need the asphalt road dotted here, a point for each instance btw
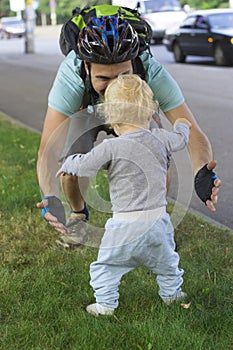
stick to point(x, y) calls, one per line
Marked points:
point(25, 80)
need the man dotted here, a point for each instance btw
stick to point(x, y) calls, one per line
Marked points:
point(107, 47)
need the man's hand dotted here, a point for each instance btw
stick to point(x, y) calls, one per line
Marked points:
point(207, 185)
point(53, 212)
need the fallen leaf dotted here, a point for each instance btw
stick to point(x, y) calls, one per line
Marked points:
point(186, 306)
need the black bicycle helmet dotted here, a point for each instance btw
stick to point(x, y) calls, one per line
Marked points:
point(107, 40)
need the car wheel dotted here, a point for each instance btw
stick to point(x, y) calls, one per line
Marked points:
point(219, 56)
point(178, 53)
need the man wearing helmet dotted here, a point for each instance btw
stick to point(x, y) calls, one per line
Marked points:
point(107, 47)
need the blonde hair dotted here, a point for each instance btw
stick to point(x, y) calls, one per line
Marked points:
point(128, 99)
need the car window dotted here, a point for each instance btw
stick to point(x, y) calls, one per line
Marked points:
point(161, 5)
point(201, 22)
point(222, 20)
point(188, 22)
point(11, 22)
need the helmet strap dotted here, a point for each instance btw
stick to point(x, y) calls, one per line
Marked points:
point(138, 68)
point(90, 95)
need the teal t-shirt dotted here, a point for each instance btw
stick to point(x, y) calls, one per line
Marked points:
point(67, 91)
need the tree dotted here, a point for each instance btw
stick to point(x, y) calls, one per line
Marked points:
point(5, 10)
point(64, 8)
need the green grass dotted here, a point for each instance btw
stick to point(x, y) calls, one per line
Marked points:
point(44, 290)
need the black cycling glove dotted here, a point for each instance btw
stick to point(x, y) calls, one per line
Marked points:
point(53, 205)
point(204, 182)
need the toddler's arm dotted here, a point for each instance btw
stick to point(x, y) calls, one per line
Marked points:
point(176, 139)
point(87, 164)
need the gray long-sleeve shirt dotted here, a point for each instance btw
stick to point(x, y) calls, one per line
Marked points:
point(137, 166)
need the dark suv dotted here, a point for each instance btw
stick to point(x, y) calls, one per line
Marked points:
point(204, 33)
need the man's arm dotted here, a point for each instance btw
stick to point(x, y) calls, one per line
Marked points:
point(64, 100)
point(199, 147)
point(51, 145)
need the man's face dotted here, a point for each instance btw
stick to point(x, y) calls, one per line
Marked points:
point(103, 74)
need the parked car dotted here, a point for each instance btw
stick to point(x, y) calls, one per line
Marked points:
point(11, 27)
point(160, 14)
point(203, 33)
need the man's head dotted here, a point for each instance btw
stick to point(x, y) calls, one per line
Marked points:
point(107, 45)
point(128, 99)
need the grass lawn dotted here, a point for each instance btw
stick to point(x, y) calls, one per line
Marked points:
point(44, 290)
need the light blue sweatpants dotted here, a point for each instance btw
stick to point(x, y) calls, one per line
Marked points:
point(127, 245)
